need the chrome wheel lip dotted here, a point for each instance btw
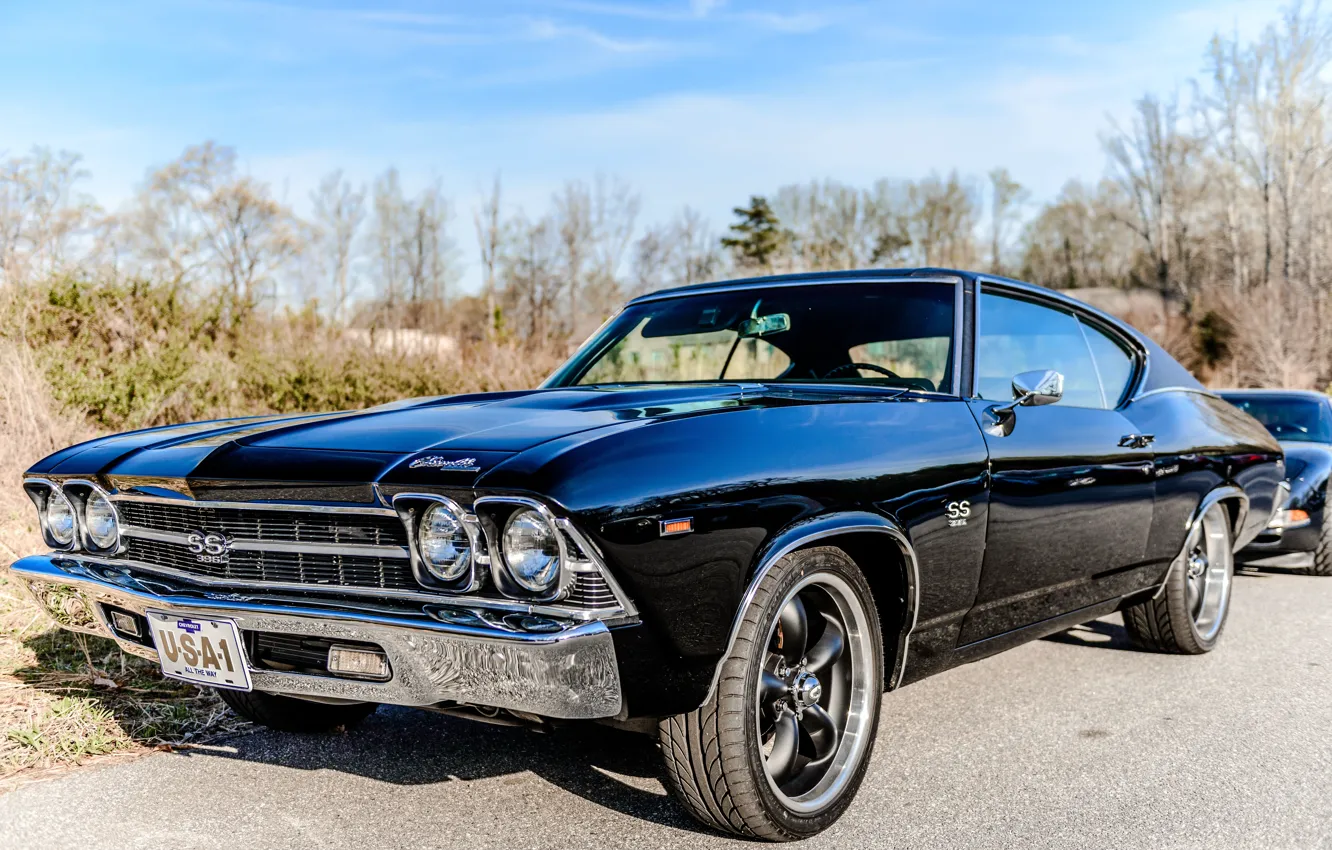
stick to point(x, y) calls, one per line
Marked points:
point(1208, 568)
point(854, 736)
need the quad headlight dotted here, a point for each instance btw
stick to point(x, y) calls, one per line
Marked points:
point(444, 545)
point(59, 518)
point(100, 521)
point(531, 551)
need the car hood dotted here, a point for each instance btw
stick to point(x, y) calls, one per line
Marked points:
point(457, 434)
point(1310, 462)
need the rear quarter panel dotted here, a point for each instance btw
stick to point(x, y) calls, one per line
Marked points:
point(1203, 442)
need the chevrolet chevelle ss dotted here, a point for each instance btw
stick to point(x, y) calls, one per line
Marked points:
point(738, 515)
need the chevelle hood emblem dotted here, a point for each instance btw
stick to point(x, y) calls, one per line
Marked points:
point(462, 464)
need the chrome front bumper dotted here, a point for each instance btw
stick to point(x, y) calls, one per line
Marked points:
point(438, 653)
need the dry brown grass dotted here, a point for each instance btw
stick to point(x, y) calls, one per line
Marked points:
point(67, 699)
point(134, 356)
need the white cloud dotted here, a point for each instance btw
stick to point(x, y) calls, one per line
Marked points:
point(702, 8)
point(1034, 105)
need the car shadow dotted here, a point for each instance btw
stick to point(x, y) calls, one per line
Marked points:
point(1110, 633)
point(1099, 634)
point(1263, 571)
point(615, 769)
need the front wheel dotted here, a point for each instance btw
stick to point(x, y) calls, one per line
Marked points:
point(1322, 554)
point(782, 744)
point(295, 715)
point(1189, 613)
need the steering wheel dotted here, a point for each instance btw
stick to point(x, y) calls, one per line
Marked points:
point(870, 366)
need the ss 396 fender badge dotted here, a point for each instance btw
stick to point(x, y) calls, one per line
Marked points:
point(958, 513)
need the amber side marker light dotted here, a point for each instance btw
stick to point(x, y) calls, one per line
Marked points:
point(676, 526)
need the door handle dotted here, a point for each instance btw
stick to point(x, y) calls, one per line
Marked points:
point(1136, 441)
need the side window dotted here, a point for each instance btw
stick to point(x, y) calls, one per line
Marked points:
point(1021, 336)
point(1113, 363)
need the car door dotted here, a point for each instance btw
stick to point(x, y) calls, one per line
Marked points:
point(1071, 490)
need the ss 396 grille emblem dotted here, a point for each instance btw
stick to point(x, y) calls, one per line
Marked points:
point(209, 548)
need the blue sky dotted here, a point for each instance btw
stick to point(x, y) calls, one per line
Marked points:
point(699, 102)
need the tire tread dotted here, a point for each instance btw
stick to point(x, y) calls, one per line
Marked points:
point(704, 751)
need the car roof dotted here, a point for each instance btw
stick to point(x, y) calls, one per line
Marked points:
point(870, 275)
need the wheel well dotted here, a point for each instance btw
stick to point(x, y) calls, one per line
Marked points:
point(884, 565)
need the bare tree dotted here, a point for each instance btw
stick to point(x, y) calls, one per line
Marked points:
point(1149, 164)
point(201, 222)
point(1006, 199)
point(41, 213)
point(490, 241)
point(388, 240)
point(339, 211)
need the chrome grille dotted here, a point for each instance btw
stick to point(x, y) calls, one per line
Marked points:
point(590, 590)
point(279, 567)
point(270, 525)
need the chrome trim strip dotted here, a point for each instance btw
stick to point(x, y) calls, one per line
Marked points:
point(368, 550)
point(512, 606)
point(260, 506)
point(1119, 327)
point(855, 524)
point(771, 283)
point(1159, 390)
point(958, 332)
point(1228, 491)
point(564, 669)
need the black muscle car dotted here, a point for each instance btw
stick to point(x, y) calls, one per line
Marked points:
point(1298, 534)
point(738, 515)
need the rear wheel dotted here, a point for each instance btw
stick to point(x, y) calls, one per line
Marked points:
point(781, 746)
point(295, 715)
point(1188, 615)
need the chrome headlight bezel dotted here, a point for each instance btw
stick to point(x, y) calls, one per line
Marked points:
point(43, 493)
point(414, 509)
point(427, 535)
point(496, 514)
point(514, 550)
point(109, 542)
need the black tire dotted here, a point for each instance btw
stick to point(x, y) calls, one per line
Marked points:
point(295, 715)
point(1169, 622)
point(1322, 556)
point(714, 756)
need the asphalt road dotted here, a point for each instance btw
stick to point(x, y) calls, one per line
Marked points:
point(1074, 741)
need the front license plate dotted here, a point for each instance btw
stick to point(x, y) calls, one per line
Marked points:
point(199, 650)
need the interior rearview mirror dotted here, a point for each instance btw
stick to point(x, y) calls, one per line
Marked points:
point(764, 325)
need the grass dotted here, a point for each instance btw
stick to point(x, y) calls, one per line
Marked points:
point(68, 699)
point(81, 358)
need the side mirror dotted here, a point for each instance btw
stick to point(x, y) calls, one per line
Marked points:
point(1030, 389)
point(1033, 389)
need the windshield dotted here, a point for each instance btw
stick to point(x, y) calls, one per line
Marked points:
point(889, 334)
point(1303, 420)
